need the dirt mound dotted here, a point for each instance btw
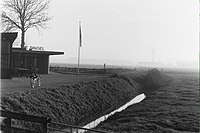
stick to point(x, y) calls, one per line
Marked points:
point(72, 104)
point(80, 103)
point(173, 108)
point(155, 79)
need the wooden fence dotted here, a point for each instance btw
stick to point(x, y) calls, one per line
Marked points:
point(74, 70)
point(6, 125)
point(47, 124)
point(70, 70)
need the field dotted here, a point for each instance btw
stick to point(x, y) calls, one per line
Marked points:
point(66, 100)
point(17, 84)
point(78, 100)
point(77, 103)
point(173, 108)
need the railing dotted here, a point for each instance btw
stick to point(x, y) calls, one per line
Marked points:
point(74, 70)
point(47, 125)
point(6, 125)
point(70, 70)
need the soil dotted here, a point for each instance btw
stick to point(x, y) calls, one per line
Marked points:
point(80, 102)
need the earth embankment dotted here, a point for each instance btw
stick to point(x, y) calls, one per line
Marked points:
point(80, 103)
point(173, 108)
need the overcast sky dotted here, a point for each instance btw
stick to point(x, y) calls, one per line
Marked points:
point(126, 30)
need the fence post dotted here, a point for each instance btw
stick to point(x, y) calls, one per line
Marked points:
point(104, 67)
point(71, 130)
point(45, 126)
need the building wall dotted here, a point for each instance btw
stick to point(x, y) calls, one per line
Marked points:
point(5, 59)
point(43, 64)
point(7, 40)
point(31, 61)
point(15, 61)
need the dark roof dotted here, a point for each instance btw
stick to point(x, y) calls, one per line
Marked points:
point(19, 50)
point(9, 36)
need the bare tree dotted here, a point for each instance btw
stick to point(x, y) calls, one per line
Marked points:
point(23, 15)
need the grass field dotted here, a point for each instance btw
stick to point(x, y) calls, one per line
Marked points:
point(18, 84)
point(78, 100)
point(68, 99)
point(173, 108)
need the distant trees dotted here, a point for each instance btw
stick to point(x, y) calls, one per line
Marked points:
point(23, 15)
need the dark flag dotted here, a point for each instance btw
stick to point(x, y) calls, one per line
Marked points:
point(80, 34)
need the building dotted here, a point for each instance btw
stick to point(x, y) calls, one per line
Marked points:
point(28, 59)
point(7, 40)
point(24, 59)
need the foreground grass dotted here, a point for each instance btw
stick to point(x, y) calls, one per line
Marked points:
point(83, 102)
point(74, 104)
point(173, 108)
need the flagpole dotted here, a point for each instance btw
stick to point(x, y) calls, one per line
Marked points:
point(78, 56)
point(79, 46)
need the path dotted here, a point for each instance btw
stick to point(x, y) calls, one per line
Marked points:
point(48, 80)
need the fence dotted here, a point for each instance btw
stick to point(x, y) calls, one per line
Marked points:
point(74, 70)
point(7, 124)
point(47, 125)
point(70, 70)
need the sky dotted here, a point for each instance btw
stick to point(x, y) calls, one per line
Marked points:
point(121, 31)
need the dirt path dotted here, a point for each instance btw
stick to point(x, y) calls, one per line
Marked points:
point(48, 80)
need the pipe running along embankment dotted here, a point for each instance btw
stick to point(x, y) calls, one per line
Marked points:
point(81, 103)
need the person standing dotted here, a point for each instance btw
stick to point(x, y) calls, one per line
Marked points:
point(34, 78)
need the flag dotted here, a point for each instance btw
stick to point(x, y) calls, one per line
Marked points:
point(80, 34)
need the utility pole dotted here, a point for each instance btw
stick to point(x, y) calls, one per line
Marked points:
point(153, 51)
